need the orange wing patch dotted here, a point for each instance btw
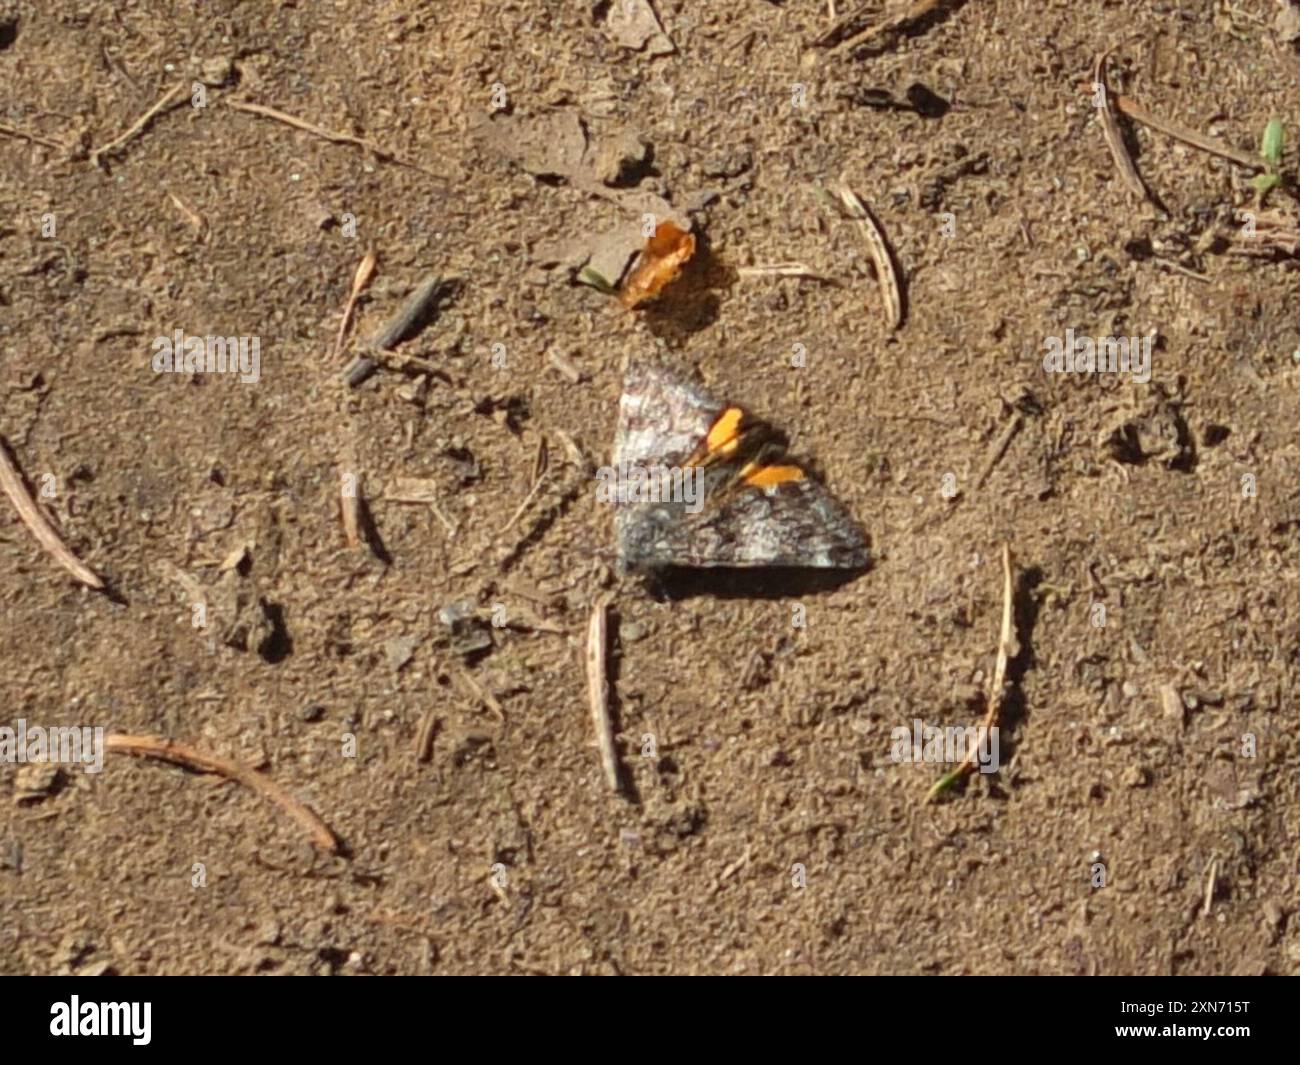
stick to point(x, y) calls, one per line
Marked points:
point(662, 260)
point(722, 439)
point(769, 476)
point(734, 437)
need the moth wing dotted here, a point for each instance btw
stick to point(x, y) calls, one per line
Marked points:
point(797, 524)
point(792, 522)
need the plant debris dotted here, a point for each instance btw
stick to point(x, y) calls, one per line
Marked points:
point(12, 483)
point(996, 693)
point(180, 754)
point(598, 689)
point(668, 250)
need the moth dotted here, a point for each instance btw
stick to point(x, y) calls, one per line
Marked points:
point(714, 487)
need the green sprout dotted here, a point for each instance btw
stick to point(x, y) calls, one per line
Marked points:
point(945, 782)
point(1270, 150)
point(591, 276)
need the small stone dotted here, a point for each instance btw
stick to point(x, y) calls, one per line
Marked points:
point(472, 641)
point(469, 748)
point(216, 71)
point(320, 217)
point(314, 934)
point(1135, 777)
point(73, 949)
point(729, 163)
point(1171, 704)
point(618, 157)
point(416, 391)
point(1129, 689)
point(33, 783)
point(235, 559)
point(1287, 24)
point(454, 613)
point(469, 634)
point(633, 24)
point(268, 933)
point(400, 650)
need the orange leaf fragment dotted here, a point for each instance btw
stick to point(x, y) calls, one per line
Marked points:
point(662, 260)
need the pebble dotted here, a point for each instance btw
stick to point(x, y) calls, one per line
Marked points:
point(35, 782)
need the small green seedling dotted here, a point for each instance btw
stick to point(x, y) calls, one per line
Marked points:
point(1270, 150)
point(592, 277)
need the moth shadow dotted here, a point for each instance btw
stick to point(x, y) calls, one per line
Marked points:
point(749, 582)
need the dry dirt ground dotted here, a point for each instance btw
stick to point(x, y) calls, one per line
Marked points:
point(765, 827)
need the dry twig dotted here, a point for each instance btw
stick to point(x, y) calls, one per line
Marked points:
point(423, 491)
point(791, 269)
point(12, 483)
point(337, 138)
point(1211, 885)
point(424, 736)
point(1110, 130)
point(565, 365)
point(482, 694)
point(410, 316)
point(881, 259)
point(365, 270)
point(191, 216)
point(180, 754)
point(35, 138)
point(350, 501)
point(1126, 105)
point(916, 11)
point(996, 694)
point(598, 689)
point(998, 449)
point(541, 465)
point(140, 123)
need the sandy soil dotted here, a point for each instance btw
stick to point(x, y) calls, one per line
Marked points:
point(766, 828)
